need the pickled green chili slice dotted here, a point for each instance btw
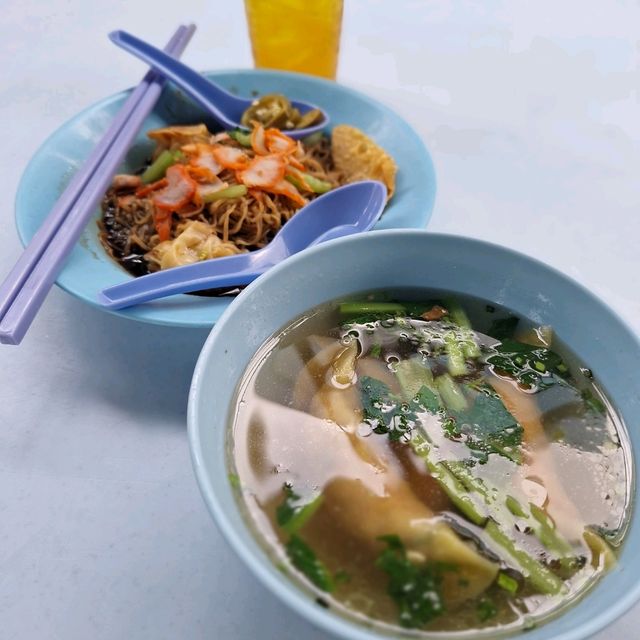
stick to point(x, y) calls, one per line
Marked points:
point(275, 110)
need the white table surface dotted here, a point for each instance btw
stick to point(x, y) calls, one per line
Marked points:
point(531, 113)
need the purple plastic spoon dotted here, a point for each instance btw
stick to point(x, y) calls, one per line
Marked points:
point(353, 208)
point(226, 108)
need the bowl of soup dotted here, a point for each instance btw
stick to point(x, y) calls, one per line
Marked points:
point(407, 434)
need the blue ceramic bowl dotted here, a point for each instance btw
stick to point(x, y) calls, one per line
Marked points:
point(391, 259)
point(89, 269)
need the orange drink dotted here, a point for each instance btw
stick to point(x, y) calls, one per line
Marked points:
point(296, 35)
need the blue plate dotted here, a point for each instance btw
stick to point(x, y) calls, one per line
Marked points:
point(89, 269)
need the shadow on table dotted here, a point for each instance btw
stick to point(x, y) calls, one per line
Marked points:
point(144, 368)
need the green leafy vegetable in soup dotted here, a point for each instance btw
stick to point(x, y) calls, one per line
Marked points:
point(431, 463)
point(417, 590)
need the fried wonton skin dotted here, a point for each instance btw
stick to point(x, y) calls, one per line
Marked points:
point(358, 157)
point(176, 136)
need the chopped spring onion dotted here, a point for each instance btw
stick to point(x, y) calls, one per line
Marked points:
point(507, 583)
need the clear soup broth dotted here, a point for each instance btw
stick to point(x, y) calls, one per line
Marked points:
point(422, 463)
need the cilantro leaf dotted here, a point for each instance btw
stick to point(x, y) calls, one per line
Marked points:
point(291, 516)
point(305, 560)
point(485, 609)
point(417, 590)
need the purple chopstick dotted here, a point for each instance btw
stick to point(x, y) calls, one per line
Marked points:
point(23, 267)
point(25, 288)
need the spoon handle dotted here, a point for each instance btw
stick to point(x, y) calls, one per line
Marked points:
point(224, 107)
point(230, 271)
